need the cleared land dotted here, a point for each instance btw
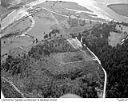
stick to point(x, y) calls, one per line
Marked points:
point(10, 43)
point(117, 37)
point(43, 23)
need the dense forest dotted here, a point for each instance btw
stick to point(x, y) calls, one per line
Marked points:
point(113, 59)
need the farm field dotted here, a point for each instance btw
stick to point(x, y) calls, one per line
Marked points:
point(68, 9)
point(121, 9)
point(17, 28)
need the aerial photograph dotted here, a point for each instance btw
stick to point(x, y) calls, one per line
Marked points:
point(64, 48)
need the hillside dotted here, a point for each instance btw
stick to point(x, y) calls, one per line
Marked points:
point(52, 69)
point(47, 50)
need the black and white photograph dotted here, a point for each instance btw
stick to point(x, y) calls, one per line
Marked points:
point(64, 49)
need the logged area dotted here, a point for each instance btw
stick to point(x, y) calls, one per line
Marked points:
point(52, 69)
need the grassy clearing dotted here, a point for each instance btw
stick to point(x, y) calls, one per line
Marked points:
point(14, 42)
point(114, 39)
point(117, 37)
point(43, 23)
